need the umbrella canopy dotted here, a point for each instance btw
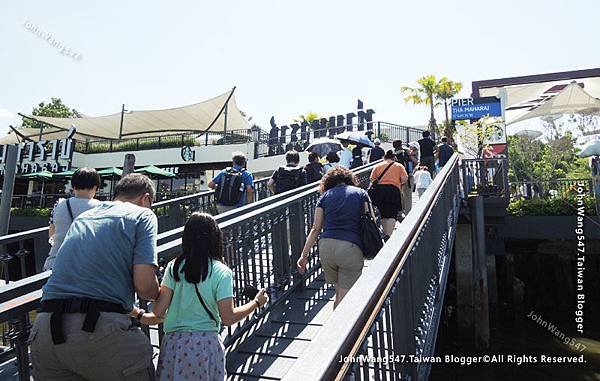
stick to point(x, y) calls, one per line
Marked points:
point(590, 149)
point(533, 134)
point(571, 100)
point(109, 172)
point(357, 138)
point(323, 146)
point(152, 171)
point(43, 175)
point(65, 174)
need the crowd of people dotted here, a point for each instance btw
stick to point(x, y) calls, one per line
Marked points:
point(104, 254)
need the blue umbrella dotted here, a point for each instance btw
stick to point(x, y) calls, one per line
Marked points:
point(357, 138)
point(323, 146)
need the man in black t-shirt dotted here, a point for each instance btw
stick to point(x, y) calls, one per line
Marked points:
point(376, 152)
point(428, 150)
point(444, 152)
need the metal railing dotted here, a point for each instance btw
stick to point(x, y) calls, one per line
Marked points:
point(45, 201)
point(164, 141)
point(259, 248)
point(170, 213)
point(393, 310)
point(485, 177)
point(549, 188)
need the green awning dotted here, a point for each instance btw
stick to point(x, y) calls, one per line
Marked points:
point(109, 172)
point(43, 175)
point(152, 171)
point(65, 174)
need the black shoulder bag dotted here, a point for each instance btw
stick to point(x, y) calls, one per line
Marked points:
point(371, 234)
point(374, 189)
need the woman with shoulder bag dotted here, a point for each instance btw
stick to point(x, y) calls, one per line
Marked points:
point(197, 296)
point(387, 179)
point(338, 214)
point(85, 183)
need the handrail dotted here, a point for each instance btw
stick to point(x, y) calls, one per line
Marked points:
point(344, 332)
point(25, 285)
point(257, 206)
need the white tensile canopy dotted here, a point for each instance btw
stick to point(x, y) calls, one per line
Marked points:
point(214, 115)
point(571, 100)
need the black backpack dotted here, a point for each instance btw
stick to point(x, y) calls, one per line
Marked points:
point(402, 157)
point(231, 188)
point(288, 178)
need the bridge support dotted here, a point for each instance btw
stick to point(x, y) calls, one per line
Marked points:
point(471, 264)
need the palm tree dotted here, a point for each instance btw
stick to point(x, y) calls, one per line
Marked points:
point(447, 89)
point(308, 118)
point(425, 93)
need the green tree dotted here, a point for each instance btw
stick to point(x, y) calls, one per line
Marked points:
point(473, 136)
point(308, 118)
point(447, 89)
point(536, 160)
point(425, 93)
point(55, 108)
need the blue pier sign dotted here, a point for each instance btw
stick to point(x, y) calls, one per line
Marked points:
point(475, 108)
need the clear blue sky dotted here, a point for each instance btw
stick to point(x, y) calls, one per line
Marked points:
point(285, 57)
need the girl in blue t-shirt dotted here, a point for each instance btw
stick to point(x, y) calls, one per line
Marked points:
point(197, 296)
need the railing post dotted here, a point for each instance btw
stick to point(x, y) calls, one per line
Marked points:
point(21, 347)
point(41, 248)
point(297, 235)
point(403, 324)
point(280, 246)
point(482, 325)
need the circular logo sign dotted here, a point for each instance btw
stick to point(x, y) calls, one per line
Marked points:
point(187, 153)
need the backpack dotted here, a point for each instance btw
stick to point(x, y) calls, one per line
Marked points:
point(288, 178)
point(231, 187)
point(402, 157)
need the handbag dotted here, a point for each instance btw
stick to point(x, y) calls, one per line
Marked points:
point(374, 189)
point(370, 234)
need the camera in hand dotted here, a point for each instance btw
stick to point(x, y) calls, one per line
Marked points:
point(250, 291)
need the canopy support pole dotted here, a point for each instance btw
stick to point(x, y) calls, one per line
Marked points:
point(121, 125)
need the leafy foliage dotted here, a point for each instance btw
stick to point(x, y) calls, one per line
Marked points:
point(555, 206)
point(447, 89)
point(55, 108)
point(473, 136)
point(433, 92)
point(31, 212)
point(308, 117)
point(532, 159)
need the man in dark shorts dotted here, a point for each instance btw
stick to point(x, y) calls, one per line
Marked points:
point(428, 150)
point(83, 329)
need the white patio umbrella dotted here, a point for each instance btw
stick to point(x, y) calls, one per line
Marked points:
point(571, 100)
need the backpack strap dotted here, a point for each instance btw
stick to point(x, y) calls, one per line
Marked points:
point(70, 210)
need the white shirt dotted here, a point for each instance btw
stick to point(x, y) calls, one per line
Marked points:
point(346, 158)
point(62, 221)
point(422, 179)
